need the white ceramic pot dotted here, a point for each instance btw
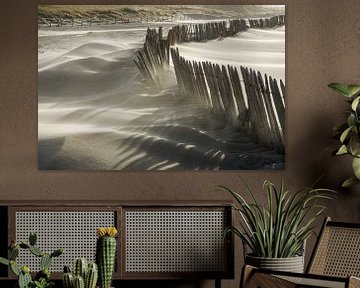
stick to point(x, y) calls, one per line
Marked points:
point(291, 264)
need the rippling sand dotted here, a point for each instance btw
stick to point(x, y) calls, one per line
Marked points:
point(96, 113)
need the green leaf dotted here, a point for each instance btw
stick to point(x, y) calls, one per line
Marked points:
point(342, 150)
point(4, 261)
point(355, 145)
point(345, 134)
point(349, 182)
point(340, 88)
point(351, 120)
point(356, 167)
point(355, 103)
point(353, 89)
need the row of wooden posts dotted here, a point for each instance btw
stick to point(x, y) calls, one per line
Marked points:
point(156, 47)
point(153, 59)
point(243, 98)
point(205, 31)
point(267, 22)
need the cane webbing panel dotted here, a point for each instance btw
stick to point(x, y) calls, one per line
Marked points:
point(75, 231)
point(175, 241)
point(312, 282)
point(261, 280)
point(338, 252)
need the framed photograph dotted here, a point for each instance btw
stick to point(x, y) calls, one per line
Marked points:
point(161, 87)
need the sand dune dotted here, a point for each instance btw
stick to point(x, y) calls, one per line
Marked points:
point(96, 112)
point(261, 49)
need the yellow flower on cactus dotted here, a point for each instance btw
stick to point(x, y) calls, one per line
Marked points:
point(107, 231)
point(25, 269)
point(101, 231)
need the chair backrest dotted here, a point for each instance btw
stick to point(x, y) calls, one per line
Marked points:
point(337, 251)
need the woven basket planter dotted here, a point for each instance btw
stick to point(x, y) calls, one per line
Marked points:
point(291, 264)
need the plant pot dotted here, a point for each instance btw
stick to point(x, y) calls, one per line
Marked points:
point(291, 264)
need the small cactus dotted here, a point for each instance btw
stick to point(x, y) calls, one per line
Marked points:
point(32, 238)
point(24, 278)
point(67, 269)
point(24, 246)
point(45, 261)
point(57, 252)
point(13, 253)
point(90, 272)
point(68, 280)
point(91, 276)
point(36, 251)
point(44, 273)
point(79, 282)
point(106, 254)
point(14, 268)
point(80, 267)
point(25, 269)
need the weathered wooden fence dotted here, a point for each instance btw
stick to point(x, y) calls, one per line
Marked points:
point(243, 98)
point(205, 31)
point(152, 60)
point(272, 22)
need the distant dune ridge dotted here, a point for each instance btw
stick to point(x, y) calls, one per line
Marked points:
point(54, 13)
point(97, 113)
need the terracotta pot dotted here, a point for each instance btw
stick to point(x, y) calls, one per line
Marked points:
point(291, 264)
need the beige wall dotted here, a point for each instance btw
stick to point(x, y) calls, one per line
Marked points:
point(322, 46)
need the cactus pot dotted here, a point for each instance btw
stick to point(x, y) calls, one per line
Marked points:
point(291, 264)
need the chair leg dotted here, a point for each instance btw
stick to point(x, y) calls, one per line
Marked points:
point(246, 274)
point(217, 282)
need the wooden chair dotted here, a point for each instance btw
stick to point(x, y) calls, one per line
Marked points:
point(334, 263)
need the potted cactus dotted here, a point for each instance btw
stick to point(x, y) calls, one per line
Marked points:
point(106, 254)
point(42, 278)
point(84, 275)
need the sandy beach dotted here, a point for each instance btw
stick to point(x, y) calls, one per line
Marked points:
point(96, 112)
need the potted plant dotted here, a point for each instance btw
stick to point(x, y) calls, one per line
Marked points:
point(276, 233)
point(349, 131)
point(42, 278)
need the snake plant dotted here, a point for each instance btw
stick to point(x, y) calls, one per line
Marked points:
point(279, 228)
point(348, 132)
